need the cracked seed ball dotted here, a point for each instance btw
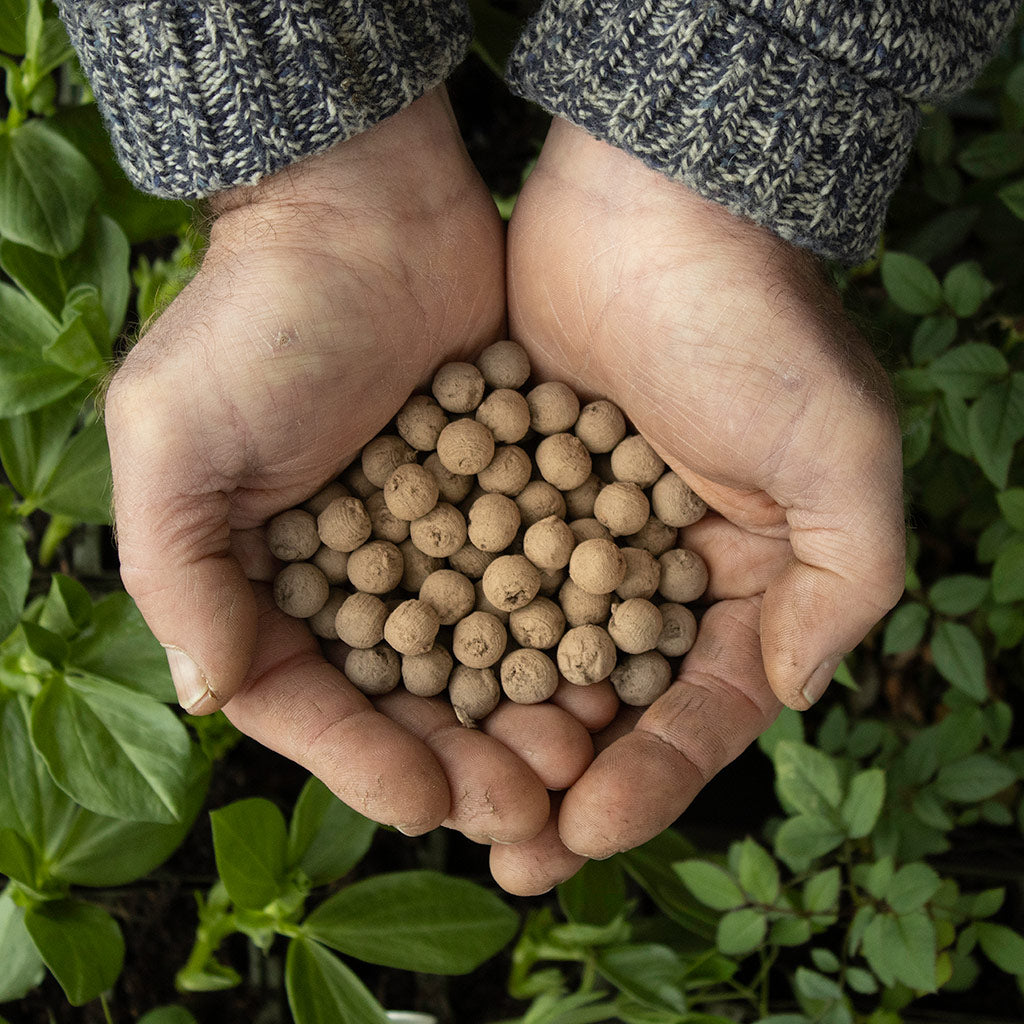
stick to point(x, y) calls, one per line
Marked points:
point(540, 624)
point(510, 582)
point(586, 655)
point(384, 524)
point(420, 421)
point(324, 497)
point(300, 589)
point(465, 447)
point(333, 564)
point(493, 522)
point(554, 407)
point(504, 364)
point(528, 676)
point(360, 620)
point(635, 625)
point(674, 502)
point(508, 472)
point(506, 414)
point(474, 693)
point(640, 679)
point(635, 461)
point(483, 605)
point(418, 566)
point(412, 627)
point(684, 576)
point(373, 670)
point(411, 491)
point(538, 500)
point(622, 507)
point(451, 487)
point(344, 524)
point(479, 640)
point(678, 631)
point(581, 608)
point(458, 387)
point(376, 567)
point(643, 573)
point(654, 536)
point(324, 622)
point(291, 535)
point(562, 460)
point(549, 543)
point(426, 675)
point(383, 455)
point(471, 561)
point(440, 532)
point(597, 566)
point(579, 502)
point(450, 593)
point(600, 426)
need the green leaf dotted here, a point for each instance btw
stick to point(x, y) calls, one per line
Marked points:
point(814, 986)
point(965, 288)
point(993, 155)
point(758, 873)
point(821, 891)
point(974, 778)
point(47, 188)
point(650, 973)
point(1011, 504)
point(596, 894)
point(911, 887)
point(805, 837)
point(911, 283)
point(250, 841)
point(995, 423)
point(80, 944)
point(1013, 196)
point(965, 371)
point(806, 779)
point(916, 424)
point(958, 594)
point(902, 949)
point(788, 725)
point(23, 966)
point(167, 1015)
point(17, 858)
point(790, 931)
point(17, 572)
point(932, 336)
point(322, 990)
point(415, 920)
point(1008, 572)
point(711, 884)
point(741, 931)
point(863, 802)
point(13, 14)
point(905, 628)
point(1002, 945)
point(80, 486)
point(959, 658)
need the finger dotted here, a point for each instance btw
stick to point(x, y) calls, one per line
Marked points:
point(643, 781)
point(533, 867)
point(249, 548)
point(740, 563)
point(495, 796)
point(298, 705)
point(593, 706)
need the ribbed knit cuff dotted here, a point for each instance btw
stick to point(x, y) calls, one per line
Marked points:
point(738, 111)
point(204, 95)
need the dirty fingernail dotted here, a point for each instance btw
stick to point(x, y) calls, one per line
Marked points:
point(189, 681)
point(819, 680)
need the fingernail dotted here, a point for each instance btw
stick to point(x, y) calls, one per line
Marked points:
point(189, 682)
point(819, 679)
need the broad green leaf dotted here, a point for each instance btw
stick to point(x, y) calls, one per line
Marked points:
point(711, 884)
point(953, 419)
point(911, 283)
point(905, 628)
point(958, 594)
point(959, 658)
point(932, 336)
point(1002, 945)
point(741, 931)
point(596, 894)
point(1007, 625)
point(652, 974)
point(1008, 572)
point(916, 425)
point(821, 891)
point(806, 779)
point(18, 859)
point(167, 1015)
point(863, 802)
point(965, 288)
point(17, 567)
point(975, 778)
point(825, 960)
point(322, 990)
point(31, 444)
point(805, 837)
point(13, 14)
point(911, 887)
point(790, 931)
point(36, 273)
point(47, 188)
point(993, 155)
point(67, 608)
point(1013, 196)
point(50, 49)
point(80, 944)
point(23, 966)
point(80, 486)
point(965, 371)
point(995, 423)
point(250, 842)
point(815, 986)
point(902, 949)
point(415, 920)
point(788, 725)
point(758, 873)
point(1011, 504)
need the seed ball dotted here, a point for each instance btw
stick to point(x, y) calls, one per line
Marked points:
point(654, 536)
point(383, 455)
point(643, 574)
point(324, 497)
point(528, 676)
point(411, 491)
point(674, 502)
point(458, 387)
point(635, 625)
point(324, 622)
point(360, 620)
point(333, 564)
point(678, 631)
point(563, 461)
point(300, 589)
point(484, 605)
point(470, 560)
point(384, 524)
point(440, 532)
point(412, 627)
point(292, 536)
point(418, 566)
point(474, 693)
point(420, 421)
point(450, 594)
point(603, 467)
point(586, 655)
point(642, 678)
point(540, 624)
point(465, 446)
point(479, 640)
point(376, 567)
point(579, 502)
point(373, 670)
point(506, 414)
point(549, 543)
point(511, 581)
point(538, 500)
point(622, 507)
point(554, 407)
point(344, 524)
point(581, 608)
point(600, 426)
point(508, 472)
point(597, 566)
point(504, 364)
point(426, 675)
point(684, 576)
point(493, 522)
point(357, 482)
point(551, 580)
point(452, 487)
point(635, 461)
point(589, 529)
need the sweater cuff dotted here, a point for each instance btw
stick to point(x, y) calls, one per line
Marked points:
point(744, 115)
point(204, 95)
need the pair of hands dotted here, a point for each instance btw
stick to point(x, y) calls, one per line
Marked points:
point(334, 289)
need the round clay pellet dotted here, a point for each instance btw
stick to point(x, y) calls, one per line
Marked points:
point(581, 608)
point(539, 624)
point(589, 529)
point(412, 627)
point(470, 560)
point(597, 566)
point(640, 679)
point(554, 407)
point(384, 524)
point(579, 501)
point(450, 593)
point(562, 460)
point(508, 472)
point(643, 574)
point(375, 567)
point(473, 692)
point(411, 491)
point(551, 580)
point(684, 576)
point(674, 502)
point(420, 421)
point(506, 414)
point(622, 507)
point(418, 566)
point(324, 622)
point(483, 604)
point(586, 655)
point(333, 564)
point(383, 455)
point(344, 524)
point(549, 543)
point(678, 631)
point(493, 522)
point(602, 465)
point(360, 620)
point(324, 497)
point(511, 581)
point(635, 461)
point(300, 589)
point(654, 536)
point(479, 640)
point(291, 535)
point(452, 487)
point(504, 364)
point(600, 426)
point(440, 532)
point(426, 675)
point(458, 387)
point(357, 482)
point(635, 625)
point(528, 676)
point(465, 447)
point(373, 670)
point(538, 500)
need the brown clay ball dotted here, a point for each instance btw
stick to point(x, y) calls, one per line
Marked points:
point(539, 624)
point(451, 487)
point(479, 640)
point(674, 502)
point(440, 532)
point(504, 364)
point(418, 565)
point(678, 631)
point(292, 536)
point(373, 670)
point(426, 675)
point(344, 524)
point(411, 491)
point(458, 387)
point(356, 481)
point(581, 608)
point(333, 564)
point(412, 627)
point(589, 529)
point(635, 625)
point(385, 525)
point(586, 655)
point(528, 676)
point(508, 472)
point(622, 507)
point(465, 447)
point(684, 576)
point(450, 593)
point(643, 573)
point(420, 421)
point(484, 605)
point(549, 543)
point(506, 414)
point(597, 566)
point(474, 693)
point(538, 500)
point(654, 536)
point(579, 502)
point(324, 622)
point(554, 407)
point(563, 461)
point(383, 455)
point(376, 567)
point(470, 560)
point(640, 679)
point(510, 582)
point(360, 620)
point(493, 522)
point(300, 590)
point(635, 461)
point(324, 497)
point(600, 426)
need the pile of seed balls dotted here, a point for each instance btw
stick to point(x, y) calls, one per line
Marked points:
point(494, 537)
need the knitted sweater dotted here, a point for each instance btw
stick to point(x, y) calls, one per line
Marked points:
point(798, 114)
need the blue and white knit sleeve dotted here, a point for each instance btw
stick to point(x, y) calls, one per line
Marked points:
point(798, 114)
point(204, 95)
